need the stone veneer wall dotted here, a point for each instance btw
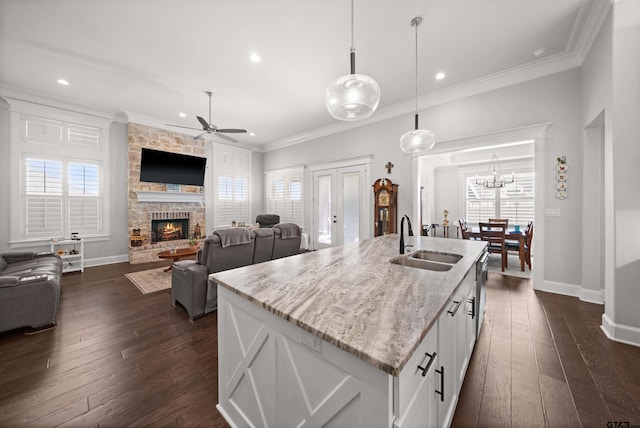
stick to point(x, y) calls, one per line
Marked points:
point(140, 213)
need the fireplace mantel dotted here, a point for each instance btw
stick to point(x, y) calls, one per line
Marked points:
point(183, 197)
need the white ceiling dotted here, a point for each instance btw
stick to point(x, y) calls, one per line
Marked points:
point(155, 58)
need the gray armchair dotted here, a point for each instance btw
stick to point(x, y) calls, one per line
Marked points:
point(267, 220)
point(224, 249)
point(286, 240)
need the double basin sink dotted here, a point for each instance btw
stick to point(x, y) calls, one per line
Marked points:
point(428, 260)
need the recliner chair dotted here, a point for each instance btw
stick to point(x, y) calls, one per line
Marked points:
point(189, 278)
point(267, 220)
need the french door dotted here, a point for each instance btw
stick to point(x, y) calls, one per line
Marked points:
point(340, 210)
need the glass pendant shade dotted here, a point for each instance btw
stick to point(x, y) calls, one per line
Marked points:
point(352, 97)
point(418, 140)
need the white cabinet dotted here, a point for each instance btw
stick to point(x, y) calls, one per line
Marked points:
point(415, 388)
point(455, 326)
point(71, 251)
point(273, 373)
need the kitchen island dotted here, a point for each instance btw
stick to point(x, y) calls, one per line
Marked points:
point(335, 337)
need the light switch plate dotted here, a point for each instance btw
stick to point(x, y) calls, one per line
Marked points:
point(552, 212)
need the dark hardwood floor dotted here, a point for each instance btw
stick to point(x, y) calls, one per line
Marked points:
point(542, 360)
point(121, 358)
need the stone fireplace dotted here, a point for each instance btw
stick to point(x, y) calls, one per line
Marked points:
point(158, 218)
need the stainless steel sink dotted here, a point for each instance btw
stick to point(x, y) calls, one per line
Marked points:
point(420, 264)
point(436, 257)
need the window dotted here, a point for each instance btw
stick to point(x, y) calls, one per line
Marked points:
point(61, 197)
point(515, 201)
point(284, 195)
point(233, 200)
point(58, 160)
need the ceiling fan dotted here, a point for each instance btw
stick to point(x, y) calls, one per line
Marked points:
point(210, 128)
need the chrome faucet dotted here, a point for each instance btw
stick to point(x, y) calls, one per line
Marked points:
point(402, 232)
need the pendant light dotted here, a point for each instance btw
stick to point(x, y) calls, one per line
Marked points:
point(418, 140)
point(353, 96)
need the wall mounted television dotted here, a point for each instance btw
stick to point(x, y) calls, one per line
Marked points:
point(165, 167)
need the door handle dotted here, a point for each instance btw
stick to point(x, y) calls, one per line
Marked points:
point(441, 392)
point(432, 358)
point(453, 312)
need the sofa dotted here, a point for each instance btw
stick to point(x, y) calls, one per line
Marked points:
point(29, 290)
point(225, 249)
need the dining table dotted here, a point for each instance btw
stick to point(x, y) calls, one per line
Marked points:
point(511, 235)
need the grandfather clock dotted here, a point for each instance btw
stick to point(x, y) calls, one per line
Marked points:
point(385, 212)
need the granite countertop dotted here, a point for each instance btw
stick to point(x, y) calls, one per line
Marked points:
point(352, 297)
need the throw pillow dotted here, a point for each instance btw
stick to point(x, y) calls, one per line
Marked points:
point(3, 263)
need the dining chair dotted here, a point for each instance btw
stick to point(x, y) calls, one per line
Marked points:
point(514, 245)
point(464, 228)
point(494, 234)
point(499, 220)
point(528, 241)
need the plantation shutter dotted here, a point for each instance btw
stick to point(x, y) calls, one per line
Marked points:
point(84, 198)
point(517, 199)
point(284, 196)
point(480, 202)
point(43, 197)
point(232, 171)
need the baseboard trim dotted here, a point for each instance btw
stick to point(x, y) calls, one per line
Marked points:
point(586, 295)
point(620, 333)
point(106, 260)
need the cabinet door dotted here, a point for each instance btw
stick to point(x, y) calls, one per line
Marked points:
point(416, 404)
point(465, 335)
point(446, 373)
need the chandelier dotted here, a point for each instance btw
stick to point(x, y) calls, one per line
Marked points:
point(494, 178)
point(352, 96)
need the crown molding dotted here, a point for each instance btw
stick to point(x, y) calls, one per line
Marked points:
point(515, 75)
point(17, 94)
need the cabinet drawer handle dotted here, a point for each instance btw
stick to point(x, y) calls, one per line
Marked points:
point(441, 392)
point(473, 307)
point(432, 358)
point(453, 312)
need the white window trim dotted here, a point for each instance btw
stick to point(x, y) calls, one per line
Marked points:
point(217, 149)
point(19, 148)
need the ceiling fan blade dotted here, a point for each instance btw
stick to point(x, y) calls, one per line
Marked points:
point(180, 126)
point(225, 137)
point(232, 131)
point(204, 123)
point(201, 136)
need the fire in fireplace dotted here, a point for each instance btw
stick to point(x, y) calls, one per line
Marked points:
point(169, 229)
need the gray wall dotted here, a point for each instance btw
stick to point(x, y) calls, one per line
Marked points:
point(555, 99)
point(114, 248)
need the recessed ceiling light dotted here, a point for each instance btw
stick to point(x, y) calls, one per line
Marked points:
point(253, 134)
point(539, 52)
point(254, 57)
point(440, 76)
point(63, 82)
point(182, 115)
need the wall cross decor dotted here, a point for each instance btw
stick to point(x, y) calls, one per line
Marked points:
point(389, 166)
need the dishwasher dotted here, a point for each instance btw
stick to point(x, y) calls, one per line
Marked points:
point(482, 266)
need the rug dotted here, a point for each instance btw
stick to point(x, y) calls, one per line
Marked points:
point(150, 281)
point(513, 266)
